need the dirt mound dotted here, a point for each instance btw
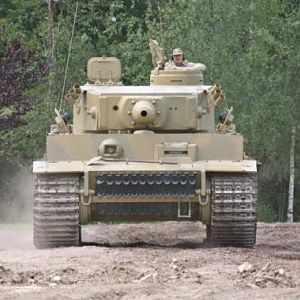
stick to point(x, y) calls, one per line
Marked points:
point(267, 276)
point(151, 261)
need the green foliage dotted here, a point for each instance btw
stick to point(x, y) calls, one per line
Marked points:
point(265, 212)
point(251, 47)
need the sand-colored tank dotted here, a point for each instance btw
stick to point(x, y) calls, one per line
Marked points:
point(144, 153)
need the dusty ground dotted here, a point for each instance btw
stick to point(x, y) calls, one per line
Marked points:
point(151, 261)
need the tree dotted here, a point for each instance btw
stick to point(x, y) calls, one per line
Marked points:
point(19, 71)
point(252, 48)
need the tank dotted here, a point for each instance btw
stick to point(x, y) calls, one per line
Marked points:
point(144, 153)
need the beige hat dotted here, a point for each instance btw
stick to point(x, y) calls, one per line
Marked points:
point(177, 51)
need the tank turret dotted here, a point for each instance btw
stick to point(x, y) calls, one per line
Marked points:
point(107, 105)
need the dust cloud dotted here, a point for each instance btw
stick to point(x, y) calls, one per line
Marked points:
point(16, 198)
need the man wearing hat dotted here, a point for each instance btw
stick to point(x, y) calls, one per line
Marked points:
point(178, 62)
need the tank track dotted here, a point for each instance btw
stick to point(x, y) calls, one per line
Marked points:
point(56, 211)
point(233, 220)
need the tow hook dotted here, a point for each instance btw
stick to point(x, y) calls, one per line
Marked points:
point(83, 198)
point(203, 199)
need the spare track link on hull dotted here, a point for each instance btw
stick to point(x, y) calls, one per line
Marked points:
point(143, 184)
point(233, 221)
point(56, 211)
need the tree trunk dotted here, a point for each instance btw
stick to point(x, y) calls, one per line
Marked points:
point(52, 10)
point(292, 176)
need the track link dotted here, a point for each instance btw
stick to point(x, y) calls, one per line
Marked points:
point(143, 184)
point(233, 221)
point(56, 211)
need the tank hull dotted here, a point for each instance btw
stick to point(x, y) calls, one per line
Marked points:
point(146, 146)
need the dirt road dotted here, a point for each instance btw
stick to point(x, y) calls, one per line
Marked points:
point(151, 261)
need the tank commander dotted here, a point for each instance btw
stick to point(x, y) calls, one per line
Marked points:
point(179, 62)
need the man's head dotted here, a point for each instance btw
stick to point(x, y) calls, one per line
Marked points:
point(177, 56)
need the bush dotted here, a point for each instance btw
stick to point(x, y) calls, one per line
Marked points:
point(265, 212)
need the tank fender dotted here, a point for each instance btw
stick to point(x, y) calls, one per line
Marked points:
point(74, 166)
